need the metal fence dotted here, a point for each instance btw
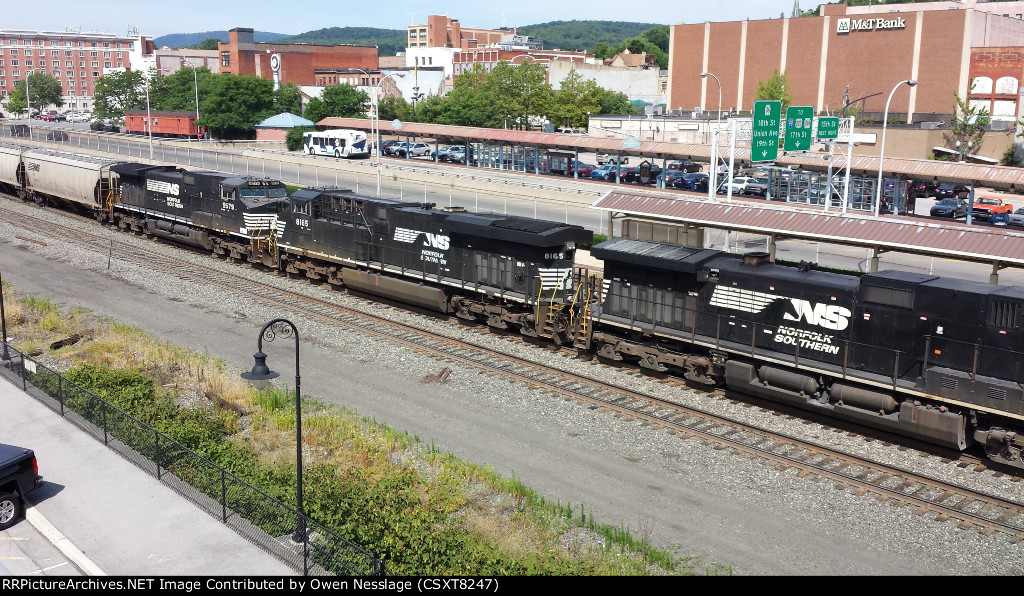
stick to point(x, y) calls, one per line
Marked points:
point(255, 515)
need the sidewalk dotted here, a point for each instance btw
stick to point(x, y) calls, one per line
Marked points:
point(109, 517)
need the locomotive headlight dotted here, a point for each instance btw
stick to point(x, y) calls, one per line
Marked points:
point(570, 246)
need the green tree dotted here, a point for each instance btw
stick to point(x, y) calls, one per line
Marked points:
point(117, 92)
point(519, 92)
point(776, 87)
point(235, 103)
point(1010, 158)
point(288, 98)
point(470, 102)
point(177, 92)
point(395, 108)
point(43, 90)
point(293, 140)
point(965, 125)
point(614, 102)
point(339, 101)
point(575, 98)
point(210, 43)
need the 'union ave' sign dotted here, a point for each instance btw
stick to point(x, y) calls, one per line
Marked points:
point(846, 25)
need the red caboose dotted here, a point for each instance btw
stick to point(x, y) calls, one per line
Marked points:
point(165, 124)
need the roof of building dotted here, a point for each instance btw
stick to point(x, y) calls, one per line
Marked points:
point(897, 233)
point(285, 120)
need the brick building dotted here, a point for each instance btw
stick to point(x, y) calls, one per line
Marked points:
point(299, 62)
point(941, 49)
point(442, 32)
point(75, 59)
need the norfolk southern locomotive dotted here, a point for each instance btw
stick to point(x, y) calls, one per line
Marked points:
point(933, 358)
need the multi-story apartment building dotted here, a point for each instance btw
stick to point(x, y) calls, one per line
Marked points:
point(75, 59)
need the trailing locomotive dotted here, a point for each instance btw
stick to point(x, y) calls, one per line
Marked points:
point(938, 359)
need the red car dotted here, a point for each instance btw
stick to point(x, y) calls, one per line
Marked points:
point(584, 169)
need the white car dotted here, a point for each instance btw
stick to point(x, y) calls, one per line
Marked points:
point(738, 184)
point(413, 149)
point(79, 117)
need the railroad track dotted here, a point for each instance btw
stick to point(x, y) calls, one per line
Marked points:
point(945, 502)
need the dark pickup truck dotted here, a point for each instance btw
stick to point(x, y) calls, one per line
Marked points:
point(19, 475)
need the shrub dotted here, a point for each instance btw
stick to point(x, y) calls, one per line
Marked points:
point(293, 140)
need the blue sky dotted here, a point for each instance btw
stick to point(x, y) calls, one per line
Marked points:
point(193, 16)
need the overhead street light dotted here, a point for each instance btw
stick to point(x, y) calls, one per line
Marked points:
point(28, 103)
point(881, 152)
point(195, 79)
point(260, 376)
point(3, 322)
point(714, 139)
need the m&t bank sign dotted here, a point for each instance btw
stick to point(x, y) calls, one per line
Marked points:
point(846, 25)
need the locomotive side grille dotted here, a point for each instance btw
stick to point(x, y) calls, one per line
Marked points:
point(948, 383)
point(889, 296)
point(1004, 314)
point(996, 393)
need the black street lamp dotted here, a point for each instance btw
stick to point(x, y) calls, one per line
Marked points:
point(3, 321)
point(260, 375)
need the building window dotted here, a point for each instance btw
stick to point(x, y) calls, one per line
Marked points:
point(119, 53)
point(225, 58)
point(55, 52)
point(68, 53)
point(3, 82)
point(71, 93)
point(95, 64)
point(15, 63)
point(81, 54)
point(69, 64)
point(1, 62)
point(81, 64)
point(106, 65)
point(82, 74)
point(56, 73)
point(412, 34)
point(17, 73)
point(55, 63)
point(53, 42)
point(70, 74)
point(94, 54)
point(95, 74)
point(14, 52)
point(28, 52)
point(29, 63)
point(120, 64)
point(83, 84)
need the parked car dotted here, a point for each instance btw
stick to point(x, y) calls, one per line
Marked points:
point(60, 117)
point(756, 186)
point(571, 131)
point(1016, 218)
point(951, 208)
point(583, 169)
point(607, 158)
point(48, 116)
point(923, 188)
point(694, 181)
point(633, 174)
point(985, 207)
point(441, 154)
point(685, 165)
point(605, 172)
point(19, 475)
point(737, 185)
point(952, 191)
point(459, 155)
point(671, 177)
point(388, 147)
point(412, 149)
point(20, 130)
point(57, 135)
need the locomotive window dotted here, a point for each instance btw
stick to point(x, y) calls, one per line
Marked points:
point(302, 207)
point(227, 194)
point(889, 296)
point(277, 192)
point(1004, 314)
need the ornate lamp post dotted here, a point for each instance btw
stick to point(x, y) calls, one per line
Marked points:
point(260, 375)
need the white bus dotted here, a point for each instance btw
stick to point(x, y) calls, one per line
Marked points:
point(336, 143)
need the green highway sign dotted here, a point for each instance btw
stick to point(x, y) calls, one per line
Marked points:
point(828, 127)
point(798, 128)
point(764, 142)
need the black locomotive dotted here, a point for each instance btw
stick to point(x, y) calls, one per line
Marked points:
point(933, 358)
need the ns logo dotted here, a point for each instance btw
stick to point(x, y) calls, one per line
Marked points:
point(438, 241)
point(829, 316)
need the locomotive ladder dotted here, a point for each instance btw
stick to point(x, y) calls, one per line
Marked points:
point(258, 241)
point(582, 338)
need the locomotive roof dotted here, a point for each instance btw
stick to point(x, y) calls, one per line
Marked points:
point(948, 283)
point(670, 257)
point(786, 275)
point(136, 169)
point(521, 230)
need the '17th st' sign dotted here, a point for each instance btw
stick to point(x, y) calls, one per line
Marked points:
point(764, 142)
